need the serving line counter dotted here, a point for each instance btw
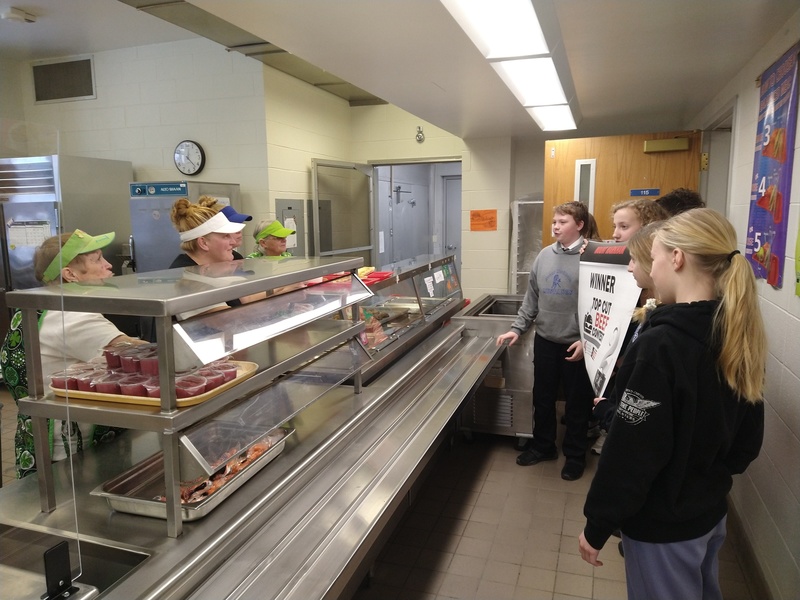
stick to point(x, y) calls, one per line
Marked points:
point(308, 526)
point(503, 404)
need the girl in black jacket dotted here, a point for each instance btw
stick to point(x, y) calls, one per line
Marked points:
point(690, 415)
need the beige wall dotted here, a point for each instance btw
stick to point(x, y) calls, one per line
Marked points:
point(767, 496)
point(10, 98)
point(150, 98)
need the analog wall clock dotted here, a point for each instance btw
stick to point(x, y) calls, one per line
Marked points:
point(189, 157)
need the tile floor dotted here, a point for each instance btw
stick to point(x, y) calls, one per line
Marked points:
point(484, 528)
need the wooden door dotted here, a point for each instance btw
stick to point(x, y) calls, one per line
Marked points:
point(622, 171)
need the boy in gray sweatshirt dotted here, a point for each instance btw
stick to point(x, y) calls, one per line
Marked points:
point(551, 302)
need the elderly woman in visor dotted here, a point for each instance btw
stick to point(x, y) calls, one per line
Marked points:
point(65, 338)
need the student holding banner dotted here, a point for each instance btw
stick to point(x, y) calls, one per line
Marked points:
point(690, 417)
point(551, 301)
point(629, 217)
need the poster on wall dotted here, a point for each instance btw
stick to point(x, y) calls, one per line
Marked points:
point(772, 169)
point(607, 295)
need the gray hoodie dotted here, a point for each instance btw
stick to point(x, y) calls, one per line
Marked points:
point(552, 297)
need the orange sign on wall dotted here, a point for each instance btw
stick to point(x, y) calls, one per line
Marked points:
point(483, 220)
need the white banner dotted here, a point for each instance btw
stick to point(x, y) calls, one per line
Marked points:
point(606, 298)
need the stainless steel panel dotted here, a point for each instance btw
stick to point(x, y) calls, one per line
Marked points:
point(97, 567)
point(316, 512)
point(162, 293)
point(156, 242)
point(503, 404)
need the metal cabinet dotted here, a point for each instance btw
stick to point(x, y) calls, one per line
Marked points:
point(503, 404)
point(277, 334)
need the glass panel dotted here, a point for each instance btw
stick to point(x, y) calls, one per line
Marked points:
point(389, 313)
point(206, 447)
point(585, 178)
point(438, 286)
point(212, 336)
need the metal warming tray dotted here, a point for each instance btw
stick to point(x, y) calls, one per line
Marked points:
point(139, 489)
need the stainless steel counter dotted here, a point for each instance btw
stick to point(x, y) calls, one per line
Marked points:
point(503, 405)
point(308, 525)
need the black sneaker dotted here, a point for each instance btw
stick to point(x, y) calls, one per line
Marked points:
point(573, 469)
point(531, 457)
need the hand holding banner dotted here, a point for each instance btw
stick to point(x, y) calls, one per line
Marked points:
point(606, 298)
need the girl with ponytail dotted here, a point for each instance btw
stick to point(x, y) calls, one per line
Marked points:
point(690, 414)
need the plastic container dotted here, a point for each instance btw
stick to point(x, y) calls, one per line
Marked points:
point(148, 363)
point(108, 383)
point(133, 385)
point(129, 360)
point(152, 387)
point(228, 369)
point(86, 379)
point(189, 385)
point(111, 354)
point(64, 380)
point(214, 378)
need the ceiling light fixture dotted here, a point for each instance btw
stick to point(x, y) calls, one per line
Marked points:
point(508, 33)
point(17, 15)
point(534, 81)
point(552, 118)
point(501, 28)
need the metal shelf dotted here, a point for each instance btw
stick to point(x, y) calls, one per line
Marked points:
point(316, 338)
point(164, 293)
point(171, 292)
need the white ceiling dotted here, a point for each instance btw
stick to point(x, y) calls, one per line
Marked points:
point(637, 65)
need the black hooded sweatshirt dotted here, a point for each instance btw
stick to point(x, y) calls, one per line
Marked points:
point(679, 435)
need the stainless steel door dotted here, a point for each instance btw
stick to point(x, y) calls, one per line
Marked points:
point(156, 242)
point(26, 226)
point(348, 187)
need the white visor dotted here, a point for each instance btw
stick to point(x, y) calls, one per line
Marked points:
point(217, 224)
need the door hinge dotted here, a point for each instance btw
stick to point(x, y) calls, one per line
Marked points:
point(704, 161)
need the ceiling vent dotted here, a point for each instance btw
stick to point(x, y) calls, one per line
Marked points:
point(64, 80)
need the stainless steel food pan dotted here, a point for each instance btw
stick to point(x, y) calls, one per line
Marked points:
point(136, 491)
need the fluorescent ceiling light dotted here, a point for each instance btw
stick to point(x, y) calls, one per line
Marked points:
point(534, 81)
point(500, 28)
point(553, 118)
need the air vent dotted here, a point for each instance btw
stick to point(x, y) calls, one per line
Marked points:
point(64, 80)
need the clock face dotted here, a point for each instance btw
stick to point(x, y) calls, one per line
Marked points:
point(189, 157)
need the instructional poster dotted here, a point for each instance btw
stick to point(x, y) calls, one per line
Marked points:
point(772, 169)
point(606, 298)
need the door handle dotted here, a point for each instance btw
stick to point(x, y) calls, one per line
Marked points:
point(451, 247)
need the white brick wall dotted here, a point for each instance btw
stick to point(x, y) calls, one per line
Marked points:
point(767, 496)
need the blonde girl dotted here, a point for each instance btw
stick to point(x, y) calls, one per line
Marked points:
point(690, 415)
point(632, 215)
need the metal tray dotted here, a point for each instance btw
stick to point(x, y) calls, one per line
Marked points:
point(135, 490)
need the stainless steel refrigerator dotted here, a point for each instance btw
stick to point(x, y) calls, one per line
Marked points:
point(154, 240)
point(47, 195)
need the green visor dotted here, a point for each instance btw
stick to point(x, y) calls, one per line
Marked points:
point(79, 242)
